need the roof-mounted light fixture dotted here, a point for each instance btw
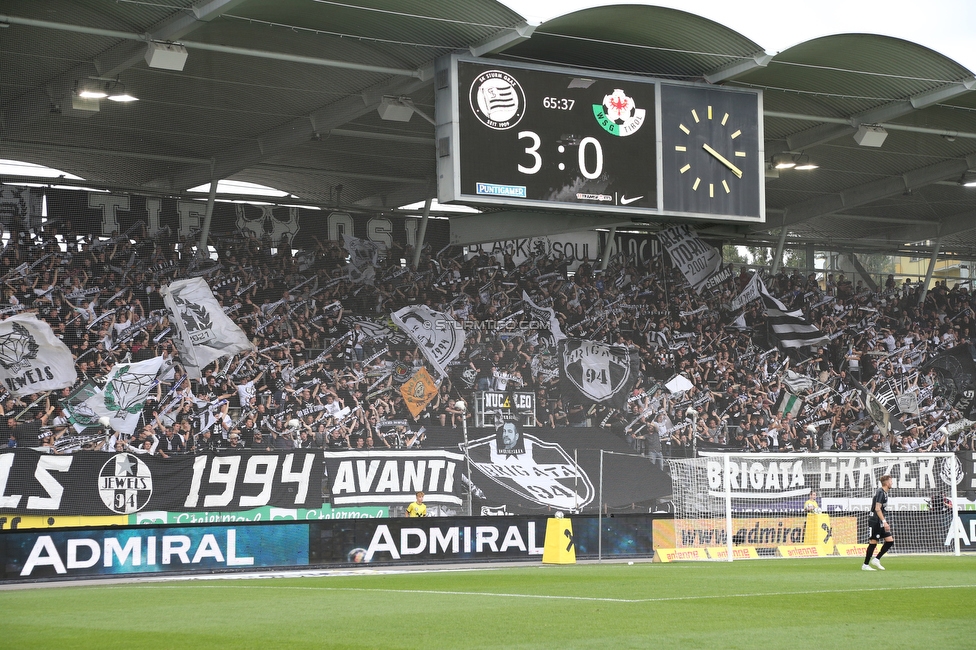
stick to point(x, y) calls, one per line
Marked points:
point(400, 109)
point(784, 161)
point(968, 179)
point(870, 135)
point(791, 160)
point(166, 56)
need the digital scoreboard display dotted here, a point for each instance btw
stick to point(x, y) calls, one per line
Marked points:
point(545, 137)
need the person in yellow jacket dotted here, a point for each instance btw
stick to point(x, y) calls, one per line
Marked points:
point(417, 508)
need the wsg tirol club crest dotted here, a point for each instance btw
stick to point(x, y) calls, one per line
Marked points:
point(127, 391)
point(618, 114)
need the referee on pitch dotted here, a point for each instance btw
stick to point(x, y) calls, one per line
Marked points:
point(880, 528)
point(418, 508)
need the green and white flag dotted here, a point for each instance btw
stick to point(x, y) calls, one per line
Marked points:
point(789, 403)
point(126, 389)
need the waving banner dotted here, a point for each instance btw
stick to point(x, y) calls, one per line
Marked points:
point(955, 378)
point(418, 391)
point(545, 315)
point(126, 388)
point(364, 259)
point(205, 332)
point(700, 263)
point(439, 336)
point(32, 358)
point(594, 372)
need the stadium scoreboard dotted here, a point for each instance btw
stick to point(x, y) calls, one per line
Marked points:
point(510, 134)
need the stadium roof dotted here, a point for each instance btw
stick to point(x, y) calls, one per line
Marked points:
point(285, 93)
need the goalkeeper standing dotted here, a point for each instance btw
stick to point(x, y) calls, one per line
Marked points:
point(418, 508)
point(880, 528)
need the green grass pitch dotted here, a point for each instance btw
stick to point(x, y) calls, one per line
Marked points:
point(919, 602)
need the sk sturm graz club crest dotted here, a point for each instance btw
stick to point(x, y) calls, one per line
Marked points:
point(127, 391)
point(125, 484)
point(497, 99)
point(17, 349)
point(618, 114)
point(538, 471)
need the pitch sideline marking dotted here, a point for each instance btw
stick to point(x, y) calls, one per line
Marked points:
point(588, 598)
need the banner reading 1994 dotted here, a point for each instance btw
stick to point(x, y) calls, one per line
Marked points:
point(96, 483)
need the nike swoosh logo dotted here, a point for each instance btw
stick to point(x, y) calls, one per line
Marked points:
point(625, 201)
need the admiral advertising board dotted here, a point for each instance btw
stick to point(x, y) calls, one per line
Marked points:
point(460, 539)
point(71, 553)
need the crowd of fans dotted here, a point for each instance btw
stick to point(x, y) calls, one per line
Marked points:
point(328, 363)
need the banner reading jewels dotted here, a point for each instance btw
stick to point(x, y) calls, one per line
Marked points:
point(96, 483)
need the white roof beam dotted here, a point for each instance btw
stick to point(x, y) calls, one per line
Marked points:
point(503, 40)
point(738, 67)
point(893, 110)
point(37, 102)
point(288, 135)
point(873, 191)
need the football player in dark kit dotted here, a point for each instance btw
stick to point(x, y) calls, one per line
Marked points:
point(880, 528)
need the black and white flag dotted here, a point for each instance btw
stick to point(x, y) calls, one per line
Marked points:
point(32, 358)
point(700, 262)
point(955, 378)
point(595, 372)
point(364, 258)
point(204, 332)
point(439, 337)
point(791, 327)
point(545, 315)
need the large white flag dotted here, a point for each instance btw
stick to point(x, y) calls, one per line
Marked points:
point(701, 263)
point(204, 332)
point(545, 314)
point(364, 259)
point(32, 358)
point(126, 389)
point(438, 336)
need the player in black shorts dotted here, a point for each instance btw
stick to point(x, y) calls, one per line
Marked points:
point(880, 528)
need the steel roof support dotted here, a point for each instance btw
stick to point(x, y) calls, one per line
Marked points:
point(928, 274)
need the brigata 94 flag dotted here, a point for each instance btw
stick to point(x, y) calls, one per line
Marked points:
point(32, 358)
point(204, 332)
point(594, 372)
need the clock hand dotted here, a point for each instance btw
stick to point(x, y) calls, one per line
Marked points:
point(721, 159)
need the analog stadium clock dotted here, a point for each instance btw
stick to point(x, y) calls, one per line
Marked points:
point(712, 160)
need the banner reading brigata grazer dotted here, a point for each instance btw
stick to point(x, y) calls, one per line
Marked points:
point(96, 483)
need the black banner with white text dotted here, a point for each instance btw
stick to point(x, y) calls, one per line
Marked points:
point(96, 483)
